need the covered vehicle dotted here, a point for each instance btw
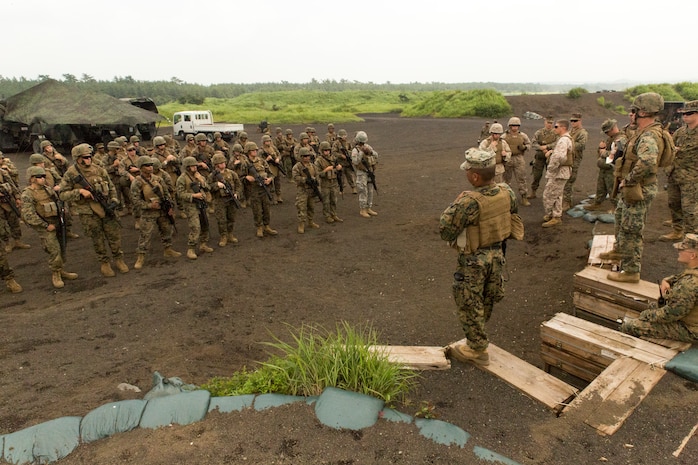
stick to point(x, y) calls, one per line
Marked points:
point(68, 115)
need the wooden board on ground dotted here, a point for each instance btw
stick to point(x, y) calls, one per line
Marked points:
point(610, 399)
point(569, 363)
point(605, 310)
point(531, 380)
point(599, 344)
point(416, 358)
point(635, 296)
point(599, 244)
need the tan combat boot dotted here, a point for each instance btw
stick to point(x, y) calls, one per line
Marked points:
point(268, 230)
point(205, 248)
point(337, 219)
point(313, 224)
point(137, 224)
point(623, 277)
point(18, 244)
point(370, 211)
point(68, 275)
point(56, 279)
point(170, 252)
point(525, 202)
point(301, 227)
point(140, 261)
point(554, 221)
point(106, 270)
point(329, 220)
point(13, 286)
point(232, 239)
point(120, 265)
point(191, 254)
point(532, 194)
point(464, 353)
point(610, 255)
point(223, 241)
point(675, 235)
point(260, 231)
point(363, 212)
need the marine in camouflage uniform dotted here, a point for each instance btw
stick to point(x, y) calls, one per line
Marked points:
point(219, 145)
point(609, 150)
point(273, 158)
point(7, 274)
point(331, 135)
point(238, 164)
point(221, 181)
point(515, 170)
point(203, 154)
point(148, 192)
point(363, 159)
point(328, 168)
point(188, 149)
point(191, 191)
point(314, 141)
point(257, 195)
point(543, 140)
point(637, 175)
point(677, 319)
point(477, 223)
point(289, 145)
point(40, 212)
point(96, 223)
point(128, 170)
point(53, 180)
point(341, 151)
point(682, 187)
point(500, 148)
point(53, 158)
point(580, 136)
point(305, 196)
point(556, 175)
point(9, 190)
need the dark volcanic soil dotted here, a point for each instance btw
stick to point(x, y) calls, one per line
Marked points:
point(63, 352)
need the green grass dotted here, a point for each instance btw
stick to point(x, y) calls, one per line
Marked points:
point(314, 106)
point(316, 359)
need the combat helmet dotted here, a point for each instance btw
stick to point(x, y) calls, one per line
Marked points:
point(199, 137)
point(250, 146)
point(45, 143)
point(36, 158)
point(303, 135)
point(243, 135)
point(266, 138)
point(216, 135)
point(113, 145)
point(304, 152)
point(35, 171)
point(342, 132)
point(361, 137)
point(496, 128)
point(514, 121)
point(649, 102)
point(159, 140)
point(217, 158)
point(80, 150)
point(144, 160)
point(289, 132)
point(134, 138)
point(189, 161)
point(237, 148)
point(324, 145)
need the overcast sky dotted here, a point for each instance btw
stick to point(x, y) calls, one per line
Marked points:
point(378, 41)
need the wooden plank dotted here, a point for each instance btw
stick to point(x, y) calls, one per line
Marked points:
point(610, 311)
point(593, 280)
point(531, 380)
point(603, 385)
point(569, 363)
point(589, 338)
point(620, 403)
point(416, 357)
point(599, 244)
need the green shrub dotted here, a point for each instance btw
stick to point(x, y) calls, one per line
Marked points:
point(317, 359)
point(576, 92)
point(483, 103)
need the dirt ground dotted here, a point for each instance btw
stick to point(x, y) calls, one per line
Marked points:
point(63, 352)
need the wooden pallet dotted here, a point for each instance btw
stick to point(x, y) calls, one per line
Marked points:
point(599, 244)
point(593, 283)
point(531, 380)
point(416, 357)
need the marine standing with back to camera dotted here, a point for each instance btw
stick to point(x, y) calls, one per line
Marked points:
point(637, 183)
point(682, 185)
point(364, 160)
point(477, 223)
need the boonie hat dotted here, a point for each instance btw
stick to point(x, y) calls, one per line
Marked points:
point(690, 241)
point(476, 158)
point(608, 125)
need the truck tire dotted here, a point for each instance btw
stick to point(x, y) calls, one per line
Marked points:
point(181, 135)
point(209, 137)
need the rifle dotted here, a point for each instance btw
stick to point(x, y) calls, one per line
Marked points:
point(310, 181)
point(227, 188)
point(273, 162)
point(61, 227)
point(347, 155)
point(371, 176)
point(166, 205)
point(260, 180)
point(9, 199)
point(201, 205)
point(340, 180)
point(201, 158)
point(108, 206)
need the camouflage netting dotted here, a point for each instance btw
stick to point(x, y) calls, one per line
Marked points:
point(53, 102)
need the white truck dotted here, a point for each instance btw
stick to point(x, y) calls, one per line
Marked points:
point(201, 121)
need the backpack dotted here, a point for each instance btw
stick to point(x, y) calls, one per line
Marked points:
point(666, 156)
point(569, 160)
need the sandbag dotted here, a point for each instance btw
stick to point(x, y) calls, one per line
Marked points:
point(43, 443)
point(112, 418)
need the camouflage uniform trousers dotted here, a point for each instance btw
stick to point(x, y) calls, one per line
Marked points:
point(287, 163)
point(515, 170)
point(12, 229)
point(330, 191)
point(348, 177)
point(539, 163)
point(604, 184)
point(50, 244)
point(630, 224)
point(683, 203)
point(675, 330)
point(5, 271)
point(225, 215)
point(365, 190)
point(101, 230)
point(477, 293)
point(567, 195)
point(305, 205)
point(260, 205)
point(552, 197)
point(198, 232)
point(148, 223)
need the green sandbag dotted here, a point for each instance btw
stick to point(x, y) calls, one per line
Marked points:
point(182, 409)
point(43, 443)
point(685, 364)
point(112, 418)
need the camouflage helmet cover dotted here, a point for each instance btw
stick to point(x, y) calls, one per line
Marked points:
point(199, 137)
point(303, 135)
point(36, 171)
point(80, 150)
point(649, 102)
point(266, 138)
point(514, 121)
point(250, 146)
point(217, 158)
point(36, 158)
point(158, 140)
point(496, 129)
point(289, 132)
point(304, 152)
point(324, 145)
point(361, 137)
point(45, 143)
point(237, 148)
point(342, 132)
point(189, 161)
point(113, 145)
point(134, 138)
point(243, 135)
